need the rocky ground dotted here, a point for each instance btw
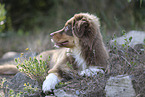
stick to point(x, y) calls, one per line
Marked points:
point(124, 60)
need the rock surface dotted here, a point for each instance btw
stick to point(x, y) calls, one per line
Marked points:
point(62, 93)
point(17, 85)
point(8, 58)
point(120, 86)
point(138, 37)
point(10, 55)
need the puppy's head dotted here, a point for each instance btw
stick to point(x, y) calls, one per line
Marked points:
point(64, 37)
point(78, 27)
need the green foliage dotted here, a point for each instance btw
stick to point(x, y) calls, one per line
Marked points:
point(11, 92)
point(123, 32)
point(40, 14)
point(36, 69)
point(141, 3)
point(69, 65)
point(61, 84)
point(2, 17)
point(3, 80)
point(127, 41)
point(29, 89)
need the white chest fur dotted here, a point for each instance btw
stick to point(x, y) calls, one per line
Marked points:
point(81, 63)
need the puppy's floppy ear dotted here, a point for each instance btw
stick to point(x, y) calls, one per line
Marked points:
point(80, 27)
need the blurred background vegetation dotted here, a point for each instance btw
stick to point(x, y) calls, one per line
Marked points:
point(28, 23)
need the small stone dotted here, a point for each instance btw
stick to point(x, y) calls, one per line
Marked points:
point(77, 92)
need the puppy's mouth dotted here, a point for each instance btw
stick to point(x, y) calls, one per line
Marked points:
point(62, 43)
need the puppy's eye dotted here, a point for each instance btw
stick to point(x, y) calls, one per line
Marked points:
point(66, 28)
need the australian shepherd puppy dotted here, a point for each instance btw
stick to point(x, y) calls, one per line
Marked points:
point(81, 45)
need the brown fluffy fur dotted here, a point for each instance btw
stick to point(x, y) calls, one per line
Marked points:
point(92, 46)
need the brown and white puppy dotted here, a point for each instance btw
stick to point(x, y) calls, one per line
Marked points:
point(81, 46)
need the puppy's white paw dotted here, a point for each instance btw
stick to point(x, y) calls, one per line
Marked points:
point(91, 71)
point(50, 82)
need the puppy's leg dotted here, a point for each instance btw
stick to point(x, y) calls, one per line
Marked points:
point(54, 77)
point(56, 74)
point(50, 82)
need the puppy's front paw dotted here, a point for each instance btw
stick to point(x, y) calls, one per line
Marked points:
point(91, 71)
point(50, 82)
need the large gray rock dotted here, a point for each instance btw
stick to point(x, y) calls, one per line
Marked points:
point(8, 58)
point(138, 37)
point(120, 86)
point(17, 85)
point(13, 55)
point(10, 55)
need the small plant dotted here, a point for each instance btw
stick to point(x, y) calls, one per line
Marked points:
point(36, 69)
point(29, 89)
point(69, 65)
